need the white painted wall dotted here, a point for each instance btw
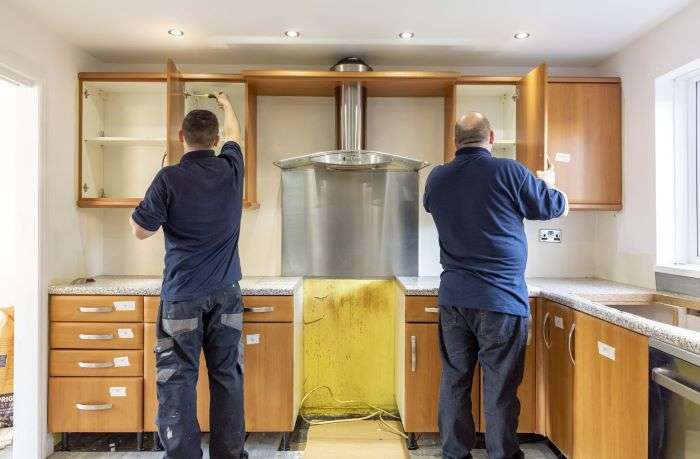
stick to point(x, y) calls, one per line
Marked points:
point(626, 248)
point(49, 210)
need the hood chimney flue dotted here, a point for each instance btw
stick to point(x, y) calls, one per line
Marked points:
point(350, 105)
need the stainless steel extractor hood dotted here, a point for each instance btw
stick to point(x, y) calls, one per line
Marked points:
point(351, 122)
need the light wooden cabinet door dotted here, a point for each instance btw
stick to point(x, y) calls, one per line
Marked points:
point(150, 398)
point(268, 359)
point(422, 379)
point(559, 375)
point(584, 142)
point(531, 119)
point(610, 391)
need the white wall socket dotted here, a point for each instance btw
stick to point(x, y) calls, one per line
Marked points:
point(550, 235)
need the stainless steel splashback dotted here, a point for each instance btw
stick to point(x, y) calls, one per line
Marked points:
point(350, 223)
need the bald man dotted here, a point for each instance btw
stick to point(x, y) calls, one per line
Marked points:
point(478, 203)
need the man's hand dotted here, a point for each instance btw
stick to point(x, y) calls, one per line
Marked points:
point(231, 129)
point(223, 100)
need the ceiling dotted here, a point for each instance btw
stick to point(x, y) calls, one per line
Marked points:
point(452, 33)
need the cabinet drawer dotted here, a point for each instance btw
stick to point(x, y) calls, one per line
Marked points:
point(95, 404)
point(150, 309)
point(422, 309)
point(81, 335)
point(268, 309)
point(94, 308)
point(95, 363)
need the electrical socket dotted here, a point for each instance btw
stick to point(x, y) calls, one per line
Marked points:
point(550, 235)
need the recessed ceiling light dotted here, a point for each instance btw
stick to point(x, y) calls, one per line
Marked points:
point(176, 32)
point(292, 34)
point(406, 35)
point(521, 35)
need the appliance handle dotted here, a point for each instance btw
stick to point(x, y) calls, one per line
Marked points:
point(571, 351)
point(260, 309)
point(97, 309)
point(544, 331)
point(414, 345)
point(664, 377)
point(432, 310)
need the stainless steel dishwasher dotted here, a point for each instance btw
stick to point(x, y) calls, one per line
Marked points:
point(674, 402)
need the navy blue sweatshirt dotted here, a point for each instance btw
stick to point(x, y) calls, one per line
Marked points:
point(478, 203)
point(198, 202)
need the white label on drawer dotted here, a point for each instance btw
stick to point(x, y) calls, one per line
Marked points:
point(121, 361)
point(252, 339)
point(125, 305)
point(125, 333)
point(562, 157)
point(117, 391)
point(558, 322)
point(606, 350)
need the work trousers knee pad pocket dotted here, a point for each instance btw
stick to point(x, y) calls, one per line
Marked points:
point(166, 363)
point(234, 321)
point(174, 327)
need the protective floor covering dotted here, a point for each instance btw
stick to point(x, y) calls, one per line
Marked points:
point(366, 439)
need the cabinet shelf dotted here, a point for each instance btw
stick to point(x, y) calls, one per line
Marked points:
point(140, 141)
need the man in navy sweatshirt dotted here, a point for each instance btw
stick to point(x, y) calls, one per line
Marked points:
point(478, 203)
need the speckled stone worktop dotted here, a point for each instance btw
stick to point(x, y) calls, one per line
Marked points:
point(147, 286)
point(584, 294)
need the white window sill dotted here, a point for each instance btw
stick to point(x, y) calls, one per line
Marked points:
point(680, 270)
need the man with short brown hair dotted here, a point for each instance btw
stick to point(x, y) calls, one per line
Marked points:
point(198, 202)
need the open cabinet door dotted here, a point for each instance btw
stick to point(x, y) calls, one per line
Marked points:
point(175, 112)
point(531, 119)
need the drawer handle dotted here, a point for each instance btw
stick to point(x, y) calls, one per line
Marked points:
point(432, 310)
point(568, 345)
point(98, 407)
point(414, 345)
point(95, 364)
point(96, 337)
point(260, 309)
point(97, 309)
point(547, 344)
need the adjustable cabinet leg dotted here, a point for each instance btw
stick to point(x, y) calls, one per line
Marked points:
point(284, 445)
point(65, 439)
point(411, 442)
point(157, 445)
point(139, 441)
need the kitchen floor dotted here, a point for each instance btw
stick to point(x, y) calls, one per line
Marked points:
point(326, 441)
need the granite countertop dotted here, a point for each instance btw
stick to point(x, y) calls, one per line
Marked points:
point(150, 286)
point(584, 294)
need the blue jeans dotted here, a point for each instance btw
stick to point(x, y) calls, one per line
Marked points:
point(214, 322)
point(498, 342)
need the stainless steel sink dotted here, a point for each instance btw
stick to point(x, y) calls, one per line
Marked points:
point(659, 312)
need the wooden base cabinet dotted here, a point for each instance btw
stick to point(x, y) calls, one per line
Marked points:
point(272, 357)
point(418, 365)
point(610, 390)
point(556, 333)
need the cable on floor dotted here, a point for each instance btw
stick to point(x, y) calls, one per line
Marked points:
point(378, 412)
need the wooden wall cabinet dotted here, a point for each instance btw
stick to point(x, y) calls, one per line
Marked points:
point(556, 333)
point(611, 390)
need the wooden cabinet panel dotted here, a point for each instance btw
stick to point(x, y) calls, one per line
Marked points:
point(175, 112)
point(84, 335)
point(269, 377)
point(531, 118)
point(95, 404)
point(95, 363)
point(150, 398)
point(150, 308)
point(94, 308)
point(610, 393)
point(422, 379)
point(584, 141)
point(422, 309)
point(559, 379)
point(268, 309)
